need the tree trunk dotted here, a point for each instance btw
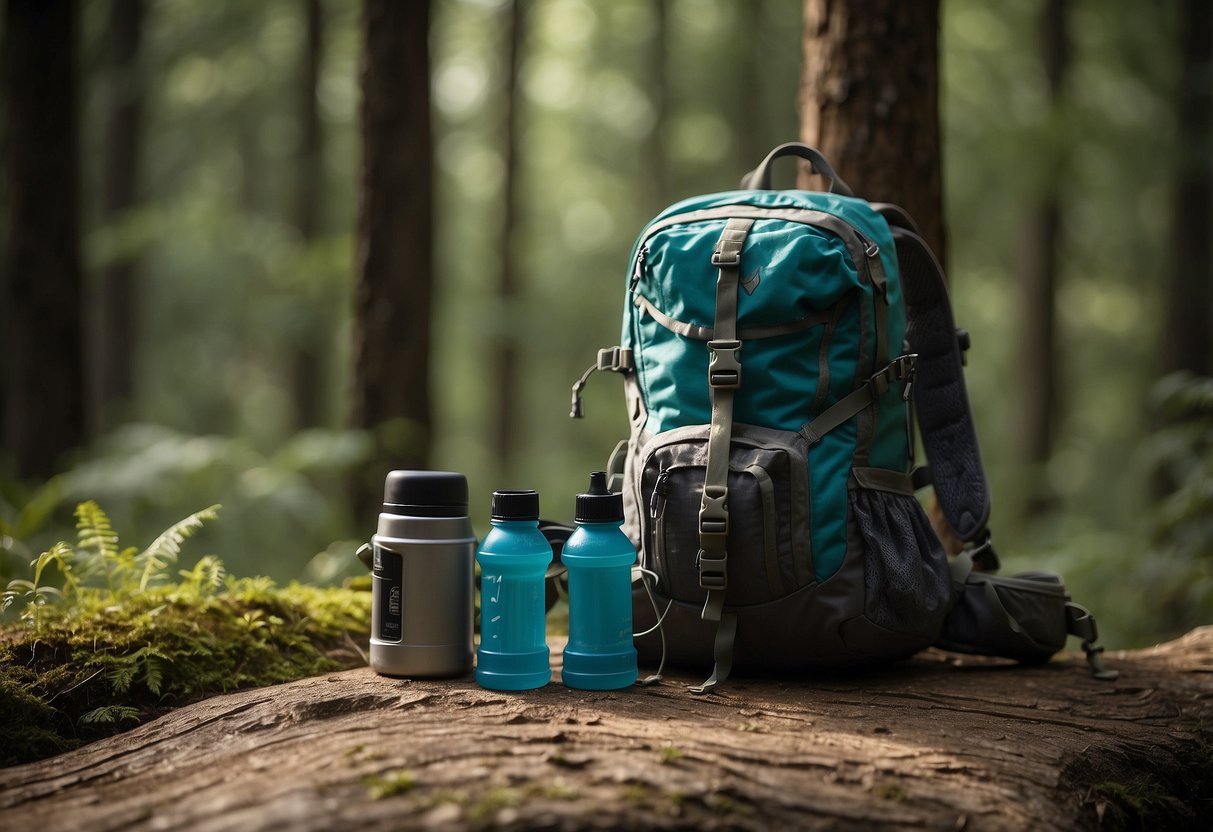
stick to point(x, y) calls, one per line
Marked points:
point(311, 347)
point(116, 316)
point(933, 743)
point(392, 296)
point(750, 62)
point(656, 149)
point(1188, 331)
point(41, 337)
point(1038, 276)
point(869, 101)
point(505, 372)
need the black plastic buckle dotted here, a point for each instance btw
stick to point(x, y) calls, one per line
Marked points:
point(714, 513)
point(713, 532)
point(983, 554)
point(899, 369)
point(724, 368)
point(712, 573)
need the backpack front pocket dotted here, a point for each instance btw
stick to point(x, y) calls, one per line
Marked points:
point(768, 505)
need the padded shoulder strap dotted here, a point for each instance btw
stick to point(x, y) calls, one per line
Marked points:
point(942, 405)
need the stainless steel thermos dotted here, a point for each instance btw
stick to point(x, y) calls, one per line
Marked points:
point(422, 565)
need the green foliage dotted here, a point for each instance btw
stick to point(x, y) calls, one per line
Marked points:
point(230, 290)
point(1183, 451)
point(284, 505)
point(119, 638)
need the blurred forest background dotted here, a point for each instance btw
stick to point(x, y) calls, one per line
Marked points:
point(220, 150)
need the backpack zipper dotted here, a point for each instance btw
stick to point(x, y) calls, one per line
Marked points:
point(638, 272)
point(870, 249)
point(657, 504)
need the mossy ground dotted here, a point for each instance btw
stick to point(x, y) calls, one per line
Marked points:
point(90, 661)
point(101, 667)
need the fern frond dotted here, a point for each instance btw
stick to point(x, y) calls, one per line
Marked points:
point(165, 548)
point(153, 673)
point(109, 714)
point(121, 676)
point(61, 555)
point(94, 533)
point(206, 577)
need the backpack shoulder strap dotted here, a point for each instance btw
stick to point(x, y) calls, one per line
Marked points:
point(941, 402)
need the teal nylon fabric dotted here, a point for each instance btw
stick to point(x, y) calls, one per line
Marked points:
point(791, 271)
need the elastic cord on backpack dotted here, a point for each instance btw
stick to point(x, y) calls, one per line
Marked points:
point(645, 575)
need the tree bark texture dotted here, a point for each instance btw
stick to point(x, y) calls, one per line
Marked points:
point(933, 743)
point(116, 316)
point(1188, 330)
point(41, 310)
point(393, 288)
point(504, 419)
point(1039, 257)
point(869, 101)
point(311, 347)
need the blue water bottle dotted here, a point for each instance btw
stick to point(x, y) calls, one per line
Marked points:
point(599, 557)
point(513, 652)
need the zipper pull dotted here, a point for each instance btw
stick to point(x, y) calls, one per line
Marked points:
point(870, 249)
point(638, 272)
point(658, 500)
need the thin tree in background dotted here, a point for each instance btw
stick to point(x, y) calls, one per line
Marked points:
point(41, 338)
point(1188, 331)
point(869, 100)
point(393, 285)
point(656, 149)
point(311, 346)
point(116, 311)
point(751, 109)
point(505, 371)
point(1038, 273)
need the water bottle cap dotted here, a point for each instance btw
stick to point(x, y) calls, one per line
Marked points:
point(515, 504)
point(599, 505)
point(425, 494)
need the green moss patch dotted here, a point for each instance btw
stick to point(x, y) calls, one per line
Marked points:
point(115, 640)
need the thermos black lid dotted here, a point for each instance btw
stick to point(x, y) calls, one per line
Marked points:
point(598, 504)
point(510, 504)
point(425, 494)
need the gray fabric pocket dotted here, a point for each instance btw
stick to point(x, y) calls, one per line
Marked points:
point(1021, 617)
point(768, 539)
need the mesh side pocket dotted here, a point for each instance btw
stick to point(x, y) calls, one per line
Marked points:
point(907, 582)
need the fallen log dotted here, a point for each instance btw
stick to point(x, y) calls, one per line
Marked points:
point(937, 742)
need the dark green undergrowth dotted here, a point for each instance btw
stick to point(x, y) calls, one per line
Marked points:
point(102, 638)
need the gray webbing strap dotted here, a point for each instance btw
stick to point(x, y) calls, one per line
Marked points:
point(899, 369)
point(880, 287)
point(724, 377)
point(722, 653)
point(1080, 622)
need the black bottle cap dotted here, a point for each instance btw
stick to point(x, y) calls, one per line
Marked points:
point(425, 494)
point(599, 505)
point(514, 504)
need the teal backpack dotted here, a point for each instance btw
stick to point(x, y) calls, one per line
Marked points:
point(771, 374)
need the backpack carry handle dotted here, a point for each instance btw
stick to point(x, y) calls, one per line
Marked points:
point(760, 177)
